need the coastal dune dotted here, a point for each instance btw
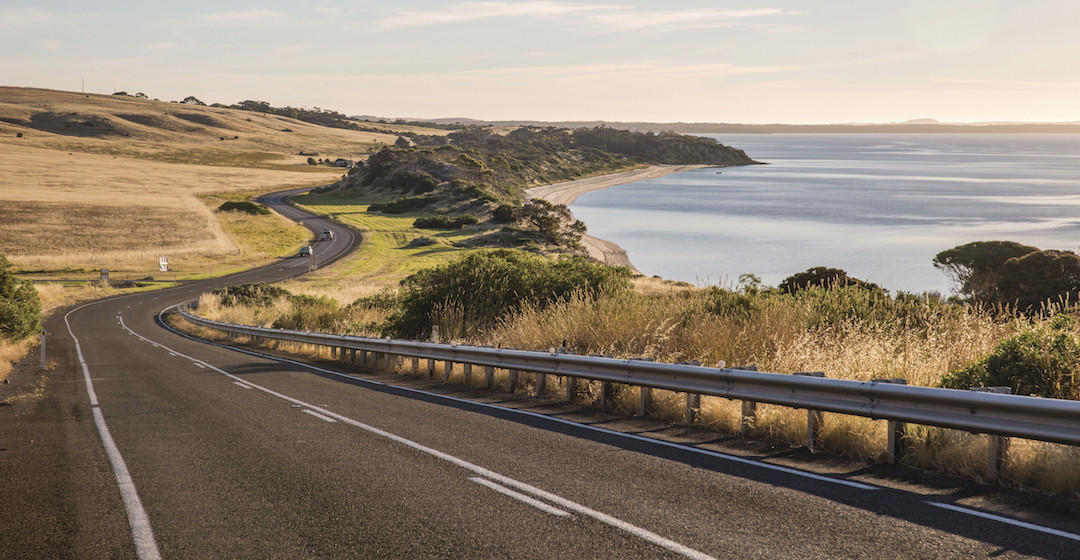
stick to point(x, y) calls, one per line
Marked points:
point(567, 192)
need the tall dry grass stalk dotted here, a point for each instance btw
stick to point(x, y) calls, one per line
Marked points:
point(921, 344)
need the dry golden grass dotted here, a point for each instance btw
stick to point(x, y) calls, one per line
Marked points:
point(103, 181)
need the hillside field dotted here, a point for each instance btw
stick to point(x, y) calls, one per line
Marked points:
point(91, 181)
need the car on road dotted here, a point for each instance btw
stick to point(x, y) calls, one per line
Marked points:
point(327, 234)
point(305, 251)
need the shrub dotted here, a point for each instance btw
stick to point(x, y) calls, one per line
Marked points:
point(445, 222)
point(482, 287)
point(820, 276)
point(506, 214)
point(422, 241)
point(403, 205)
point(310, 313)
point(250, 294)
point(20, 308)
point(1041, 361)
point(245, 206)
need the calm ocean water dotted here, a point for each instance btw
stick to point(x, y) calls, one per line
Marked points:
point(879, 206)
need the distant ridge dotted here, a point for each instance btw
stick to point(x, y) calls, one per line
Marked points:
point(919, 126)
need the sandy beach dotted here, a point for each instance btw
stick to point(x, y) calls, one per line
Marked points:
point(567, 192)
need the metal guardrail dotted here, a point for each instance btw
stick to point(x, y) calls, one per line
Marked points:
point(1051, 420)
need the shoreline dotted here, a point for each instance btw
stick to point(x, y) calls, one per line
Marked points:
point(568, 191)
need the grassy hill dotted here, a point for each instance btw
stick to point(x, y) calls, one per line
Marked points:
point(91, 181)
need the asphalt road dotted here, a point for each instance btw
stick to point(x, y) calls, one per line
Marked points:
point(163, 446)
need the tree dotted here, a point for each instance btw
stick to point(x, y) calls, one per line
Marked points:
point(824, 277)
point(192, 100)
point(976, 267)
point(554, 222)
point(401, 142)
point(1036, 277)
point(20, 308)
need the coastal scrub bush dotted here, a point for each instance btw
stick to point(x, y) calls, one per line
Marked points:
point(404, 204)
point(824, 277)
point(244, 206)
point(479, 288)
point(445, 222)
point(1043, 360)
point(20, 307)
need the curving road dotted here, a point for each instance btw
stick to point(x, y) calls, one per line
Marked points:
point(149, 444)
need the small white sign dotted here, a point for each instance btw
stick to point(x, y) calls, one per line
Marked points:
point(163, 264)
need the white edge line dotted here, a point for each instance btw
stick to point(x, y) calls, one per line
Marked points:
point(639, 532)
point(244, 385)
point(1014, 522)
point(317, 415)
point(141, 532)
point(673, 445)
point(519, 496)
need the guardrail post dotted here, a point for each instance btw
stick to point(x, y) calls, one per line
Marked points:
point(749, 409)
point(894, 445)
point(352, 354)
point(431, 367)
point(644, 394)
point(513, 381)
point(363, 357)
point(605, 393)
point(571, 388)
point(996, 446)
point(693, 400)
point(415, 365)
point(448, 366)
point(489, 377)
point(333, 352)
point(814, 418)
point(468, 373)
point(541, 384)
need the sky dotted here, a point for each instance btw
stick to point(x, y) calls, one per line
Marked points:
point(822, 61)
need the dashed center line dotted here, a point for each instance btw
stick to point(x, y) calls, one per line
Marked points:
point(244, 385)
point(317, 415)
point(519, 496)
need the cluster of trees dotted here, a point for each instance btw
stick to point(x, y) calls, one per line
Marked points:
point(1006, 273)
point(20, 308)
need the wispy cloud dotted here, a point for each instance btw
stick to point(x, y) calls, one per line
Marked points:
point(636, 20)
point(471, 11)
point(611, 17)
point(243, 16)
point(14, 18)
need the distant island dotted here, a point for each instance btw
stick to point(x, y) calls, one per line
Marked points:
point(917, 126)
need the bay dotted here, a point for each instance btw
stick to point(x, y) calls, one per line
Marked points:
point(879, 206)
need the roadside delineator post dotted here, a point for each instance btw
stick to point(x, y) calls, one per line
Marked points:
point(894, 445)
point(814, 418)
point(996, 446)
point(44, 337)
